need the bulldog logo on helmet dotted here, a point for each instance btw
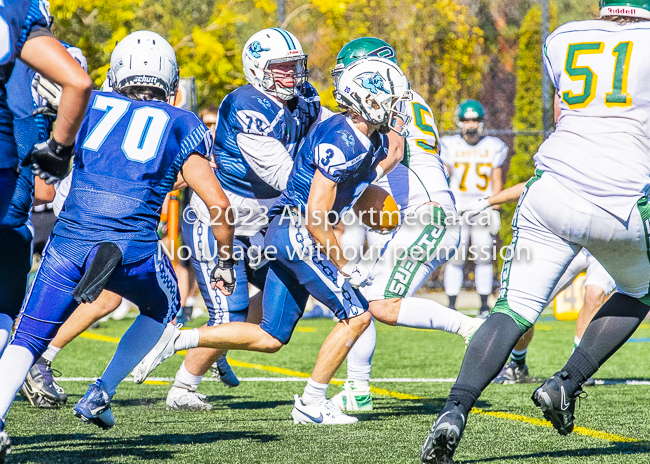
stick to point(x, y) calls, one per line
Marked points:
point(372, 82)
point(256, 48)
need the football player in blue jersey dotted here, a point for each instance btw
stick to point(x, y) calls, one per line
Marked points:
point(33, 120)
point(335, 163)
point(130, 149)
point(25, 34)
point(258, 128)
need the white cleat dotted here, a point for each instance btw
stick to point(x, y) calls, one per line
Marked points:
point(351, 398)
point(468, 327)
point(186, 400)
point(164, 349)
point(323, 413)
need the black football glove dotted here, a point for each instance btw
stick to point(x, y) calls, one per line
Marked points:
point(49, 160)
point(225, 272)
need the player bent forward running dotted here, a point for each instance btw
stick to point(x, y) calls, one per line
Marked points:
point(589, 191)
point(128, 154)
point(334, 165)
point(420, 188)
point(258, 129)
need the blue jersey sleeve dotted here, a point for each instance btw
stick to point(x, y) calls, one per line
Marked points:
point(37, 17)
point(336, 157)
point(255, 114)
point(199, 140)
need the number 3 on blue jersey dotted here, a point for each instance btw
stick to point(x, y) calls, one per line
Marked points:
point(143, 135)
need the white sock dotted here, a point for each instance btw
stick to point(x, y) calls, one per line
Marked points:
point(361, 385)
point(314, 392)
point(14, 365)
point(51, 352)
point(184, 379)
point(189, 301)
point(360, 356)
point(576, 342)
point(468, 326)
point(427, 314)
point(188, 339)
point(135, 344)
point(483, 278)
point(453, 279)
point(6, 324)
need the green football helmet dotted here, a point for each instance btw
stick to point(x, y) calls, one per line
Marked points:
point(362, 47)
point(633, 8)
point(470, 110)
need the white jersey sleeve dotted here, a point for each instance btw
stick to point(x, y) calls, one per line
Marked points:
point(445, 154)
point(499, 152)
point(267, 157)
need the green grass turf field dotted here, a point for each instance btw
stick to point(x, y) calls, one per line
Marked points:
point(252, 423)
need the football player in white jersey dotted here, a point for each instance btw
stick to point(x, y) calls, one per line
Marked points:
point(474, 164)
point(589, 190)
point(419, 187)
point(598, 285)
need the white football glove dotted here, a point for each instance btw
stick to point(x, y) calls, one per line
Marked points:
point(48, 90)
point(495, 222)
point(357, 275)
point(472, 209)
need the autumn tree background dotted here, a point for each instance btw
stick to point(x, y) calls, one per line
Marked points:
point(450, 50)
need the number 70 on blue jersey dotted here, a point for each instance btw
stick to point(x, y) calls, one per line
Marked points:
point(143, 134)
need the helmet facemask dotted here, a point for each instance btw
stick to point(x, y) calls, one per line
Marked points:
point(336, 73)
point(471, 135)
point(382, 102)
point(270, 80)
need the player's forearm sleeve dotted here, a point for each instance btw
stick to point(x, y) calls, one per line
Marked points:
point(267, 157)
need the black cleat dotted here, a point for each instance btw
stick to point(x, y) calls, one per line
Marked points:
point(513, 373)
point(40, 388)
point(555, 403)
point(444, 437)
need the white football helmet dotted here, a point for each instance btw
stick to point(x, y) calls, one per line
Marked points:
point(144, 59)
point(377, 89)
point(272, 46)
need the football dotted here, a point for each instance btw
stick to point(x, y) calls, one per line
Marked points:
point(377, 209)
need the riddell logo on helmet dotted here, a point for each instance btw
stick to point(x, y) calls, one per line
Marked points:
point(621, 11)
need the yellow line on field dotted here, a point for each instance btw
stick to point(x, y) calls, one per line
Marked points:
point(277, 370)
point(156, 382)
point(401, 396)
point(405, 396)
point(304, 329)
point(543, 423)
point(100, 338)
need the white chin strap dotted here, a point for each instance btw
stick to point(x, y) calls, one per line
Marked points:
point(631, 11)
